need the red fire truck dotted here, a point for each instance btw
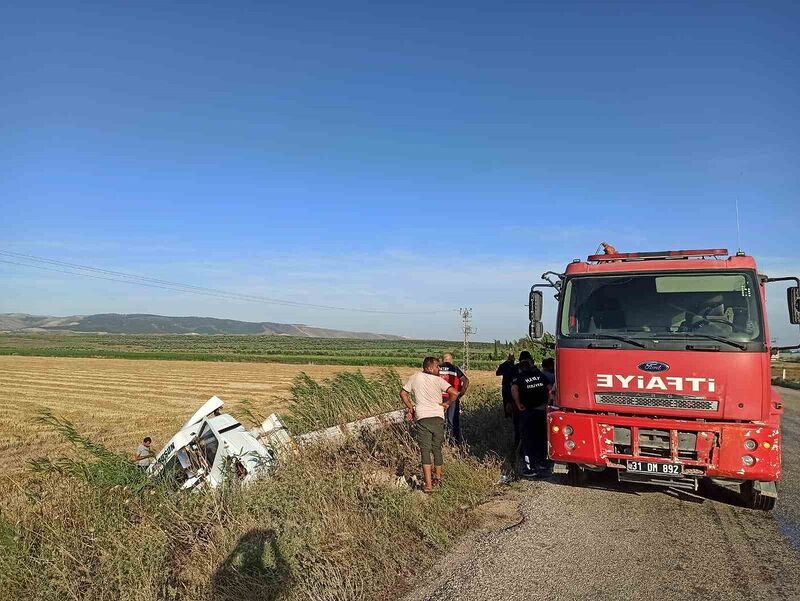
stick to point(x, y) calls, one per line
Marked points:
point(663, 370)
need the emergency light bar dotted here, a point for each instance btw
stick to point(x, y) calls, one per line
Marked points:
point(662, 254)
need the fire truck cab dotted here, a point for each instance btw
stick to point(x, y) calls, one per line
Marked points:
point(663, 370)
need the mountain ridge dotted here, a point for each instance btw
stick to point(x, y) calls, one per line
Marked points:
point(146, 323)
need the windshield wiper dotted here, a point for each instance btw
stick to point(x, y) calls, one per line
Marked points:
point(632, 341)
point(738, 345)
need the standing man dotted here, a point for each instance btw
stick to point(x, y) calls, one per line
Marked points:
point(456, 378)
point(549, 370)
point(507, 369)
point(530, 391)
point(144, 454)
point(510, 406)
point(428, 388)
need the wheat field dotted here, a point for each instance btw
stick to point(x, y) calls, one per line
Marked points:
point(119, 401)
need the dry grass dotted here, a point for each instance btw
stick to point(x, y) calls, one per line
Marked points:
point(117, 401)
point(329, 524)
point(792, 370)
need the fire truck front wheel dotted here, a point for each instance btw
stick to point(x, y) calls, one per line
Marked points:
point(759, 495)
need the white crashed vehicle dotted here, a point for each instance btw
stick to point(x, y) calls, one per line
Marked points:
point(209, 445)
point(212, 445)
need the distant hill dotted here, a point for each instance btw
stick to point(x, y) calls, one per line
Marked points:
point(115, 323)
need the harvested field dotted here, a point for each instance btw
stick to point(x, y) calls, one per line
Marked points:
point(791, 368)
point(118, 401)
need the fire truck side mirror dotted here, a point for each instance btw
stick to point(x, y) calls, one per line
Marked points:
point(536, 330)
point(535, 305)
point(793, 296)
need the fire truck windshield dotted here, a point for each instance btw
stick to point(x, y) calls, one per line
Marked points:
point(662, 305)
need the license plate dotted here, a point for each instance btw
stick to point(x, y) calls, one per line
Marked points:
point(651, 467)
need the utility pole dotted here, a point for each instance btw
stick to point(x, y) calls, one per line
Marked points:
point(466, 316)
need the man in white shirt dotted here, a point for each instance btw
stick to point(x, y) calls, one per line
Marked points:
point(144, 454)
point(428, 412)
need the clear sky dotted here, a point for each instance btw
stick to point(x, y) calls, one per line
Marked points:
point(414, 157)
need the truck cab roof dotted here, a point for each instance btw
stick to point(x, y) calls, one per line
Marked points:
point(680, 260)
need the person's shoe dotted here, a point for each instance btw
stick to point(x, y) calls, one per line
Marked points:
point(527, 473)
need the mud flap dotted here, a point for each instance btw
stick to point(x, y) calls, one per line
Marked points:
point(767, 489)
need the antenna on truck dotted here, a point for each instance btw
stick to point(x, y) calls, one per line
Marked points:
point(738, 229)
point(738, 223)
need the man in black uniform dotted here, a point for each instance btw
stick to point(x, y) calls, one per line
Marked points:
point(530, 392)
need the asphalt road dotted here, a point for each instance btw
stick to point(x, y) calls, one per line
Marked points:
point(609, 541)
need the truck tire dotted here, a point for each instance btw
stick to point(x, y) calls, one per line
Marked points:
point(576, 475)
point(755, 498)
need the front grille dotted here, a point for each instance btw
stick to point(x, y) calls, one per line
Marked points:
point(663, 401)
point(655, 443)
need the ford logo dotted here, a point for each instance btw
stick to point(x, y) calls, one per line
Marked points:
point(653, 366)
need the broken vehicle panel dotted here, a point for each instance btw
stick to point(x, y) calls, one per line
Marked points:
point(213, 445)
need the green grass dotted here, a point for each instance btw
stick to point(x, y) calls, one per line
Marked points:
point(328, 524)
point(280, 349)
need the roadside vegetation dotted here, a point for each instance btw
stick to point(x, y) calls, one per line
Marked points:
point(277, 349)
point(786, 383)
point(786, 373)
point(331, 523)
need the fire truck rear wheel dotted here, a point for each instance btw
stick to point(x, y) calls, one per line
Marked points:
point(576, 475)
point(755, 499)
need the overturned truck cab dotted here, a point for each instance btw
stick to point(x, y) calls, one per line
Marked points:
point(208, 447)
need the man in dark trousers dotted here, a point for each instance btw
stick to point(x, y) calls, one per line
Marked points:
point(509, 372)
point(507, 369)
point(530, 392)
point(428, 412)
point(456, 378)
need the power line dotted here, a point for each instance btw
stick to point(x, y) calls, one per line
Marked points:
point(98, 273)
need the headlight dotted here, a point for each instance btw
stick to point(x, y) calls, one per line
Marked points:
point(570, 444)
point(749, 460)
point(567, 430)
point(750, 444)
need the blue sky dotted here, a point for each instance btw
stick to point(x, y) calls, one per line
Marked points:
point(399, 158)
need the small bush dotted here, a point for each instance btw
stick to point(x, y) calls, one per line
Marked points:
point(346, 397)
point(786, 383)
